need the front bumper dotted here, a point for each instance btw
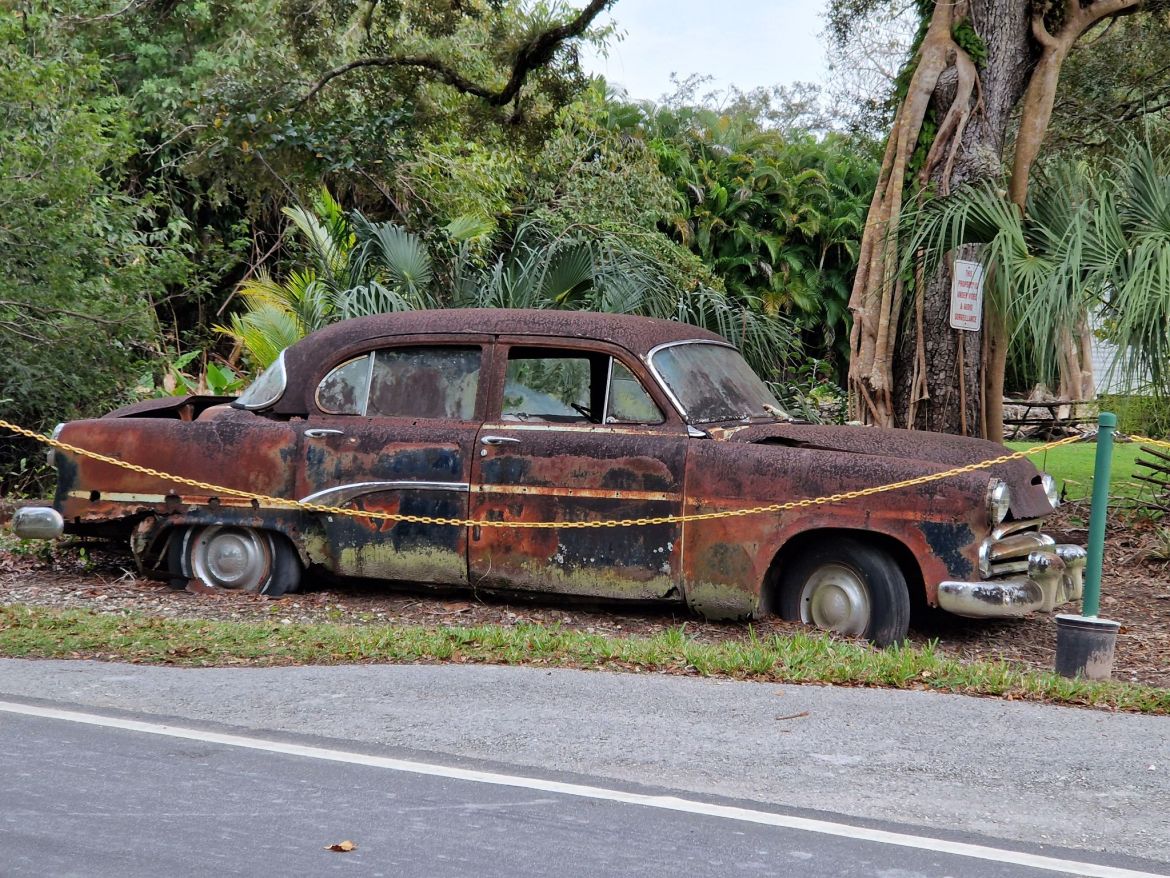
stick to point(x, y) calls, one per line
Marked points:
point(1053, 575)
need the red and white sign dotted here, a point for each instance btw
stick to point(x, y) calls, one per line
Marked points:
point(967, 296)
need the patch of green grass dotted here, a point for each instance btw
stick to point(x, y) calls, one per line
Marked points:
point(802, 658)
point(1072, 466)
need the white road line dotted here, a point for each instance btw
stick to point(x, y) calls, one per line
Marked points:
point(667, 803)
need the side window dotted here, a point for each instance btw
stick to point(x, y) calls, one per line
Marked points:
point(629, 403)
point(344, 390)
point(557, 386)
point(435, 382)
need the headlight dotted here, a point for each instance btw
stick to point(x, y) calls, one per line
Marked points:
point(1049, 484)
point(999, 500)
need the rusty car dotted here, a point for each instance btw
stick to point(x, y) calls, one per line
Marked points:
point(502, 431)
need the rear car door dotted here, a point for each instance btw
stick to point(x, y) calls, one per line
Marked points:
point(573, 435)
point(393, 430)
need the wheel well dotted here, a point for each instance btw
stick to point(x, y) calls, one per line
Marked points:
point(903, 557)
point(155, 555)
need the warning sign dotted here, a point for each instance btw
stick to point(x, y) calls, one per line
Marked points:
point(967, 296)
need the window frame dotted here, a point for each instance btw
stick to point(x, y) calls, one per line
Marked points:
point(370, 347)
point(582, 347)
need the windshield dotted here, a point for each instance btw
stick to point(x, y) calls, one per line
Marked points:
point(265, 390)
point(713, 383)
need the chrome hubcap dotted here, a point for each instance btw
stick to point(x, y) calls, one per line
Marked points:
point(835, 598)
point(230, 557)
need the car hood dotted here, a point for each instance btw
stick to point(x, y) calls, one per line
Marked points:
point(933, 449)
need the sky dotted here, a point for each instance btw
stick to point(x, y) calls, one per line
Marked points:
point(746, 43)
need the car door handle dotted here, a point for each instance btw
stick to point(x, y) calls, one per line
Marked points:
point(318, 432)
point(498, 440)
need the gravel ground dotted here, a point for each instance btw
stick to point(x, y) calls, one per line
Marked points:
point(1135, 592)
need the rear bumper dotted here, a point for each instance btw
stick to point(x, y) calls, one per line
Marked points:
point(37, 523)
point(1055, 575)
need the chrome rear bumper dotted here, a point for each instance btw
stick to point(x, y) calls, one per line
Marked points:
point(37, 523)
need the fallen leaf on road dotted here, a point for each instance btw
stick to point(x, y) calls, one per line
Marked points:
point(342, 847)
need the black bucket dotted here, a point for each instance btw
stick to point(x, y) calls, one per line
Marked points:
point(1084, 646)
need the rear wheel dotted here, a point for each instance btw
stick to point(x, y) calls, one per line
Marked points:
point(236, 558)
point(848, 586)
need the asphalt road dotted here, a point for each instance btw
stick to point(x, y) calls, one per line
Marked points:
point(79, 799)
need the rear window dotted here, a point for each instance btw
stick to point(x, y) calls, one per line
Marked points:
point(266, 390)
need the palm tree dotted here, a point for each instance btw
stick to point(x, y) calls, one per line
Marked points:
point(1088, 241)
point(359, 268)
point(355, 267)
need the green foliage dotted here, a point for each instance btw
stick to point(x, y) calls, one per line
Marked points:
point(158, 161)
point(803, 657)
point(1140, 414)
point(775, 217)
point(1088, 241)
point(355, 267)
point(1115, 84)
point(1073, 467)
point(359, 268)
point(965, 37)
point(79, 258)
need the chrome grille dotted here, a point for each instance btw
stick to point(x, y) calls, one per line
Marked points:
point(1006, 551)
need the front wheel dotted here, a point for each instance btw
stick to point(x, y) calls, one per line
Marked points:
point(848, 586)
point(237, 558)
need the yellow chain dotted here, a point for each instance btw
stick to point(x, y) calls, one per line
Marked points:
point(1146, 440)
point(478, 522)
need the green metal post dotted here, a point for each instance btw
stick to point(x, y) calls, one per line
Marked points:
point(1096, 548)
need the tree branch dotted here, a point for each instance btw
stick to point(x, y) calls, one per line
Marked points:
point(1040, 32)
point(534, 54)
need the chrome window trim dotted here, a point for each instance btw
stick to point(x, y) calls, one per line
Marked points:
point(260, 406)
point(604, 419)
point(641, 384)
point(662, 382)
point(345, 493)
point(361, 413)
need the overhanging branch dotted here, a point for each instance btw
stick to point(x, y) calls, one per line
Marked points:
point(533, 55)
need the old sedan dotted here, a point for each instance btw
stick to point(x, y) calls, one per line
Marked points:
point(498, 421)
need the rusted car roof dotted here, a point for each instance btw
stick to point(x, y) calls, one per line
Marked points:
point(325, 346)
point(636, 334)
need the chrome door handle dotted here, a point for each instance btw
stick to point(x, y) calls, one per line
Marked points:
point(498, 440)
point(318, 432)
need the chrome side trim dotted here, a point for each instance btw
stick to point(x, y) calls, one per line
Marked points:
point(588, 493)
point(545, 427)
point(340, 494)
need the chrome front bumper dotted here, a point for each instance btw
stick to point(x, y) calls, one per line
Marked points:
point(1052, 575)
point(1023, 570)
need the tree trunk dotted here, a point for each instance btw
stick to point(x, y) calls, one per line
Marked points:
point(949, 396)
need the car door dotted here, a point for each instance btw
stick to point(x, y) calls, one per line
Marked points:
point(393, 431)
point(574, 436)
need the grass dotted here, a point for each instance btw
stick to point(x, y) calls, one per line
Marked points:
point(1072, 466)
point(802, 658)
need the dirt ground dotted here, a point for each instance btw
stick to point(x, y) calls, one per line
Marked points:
point(1135, 592)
